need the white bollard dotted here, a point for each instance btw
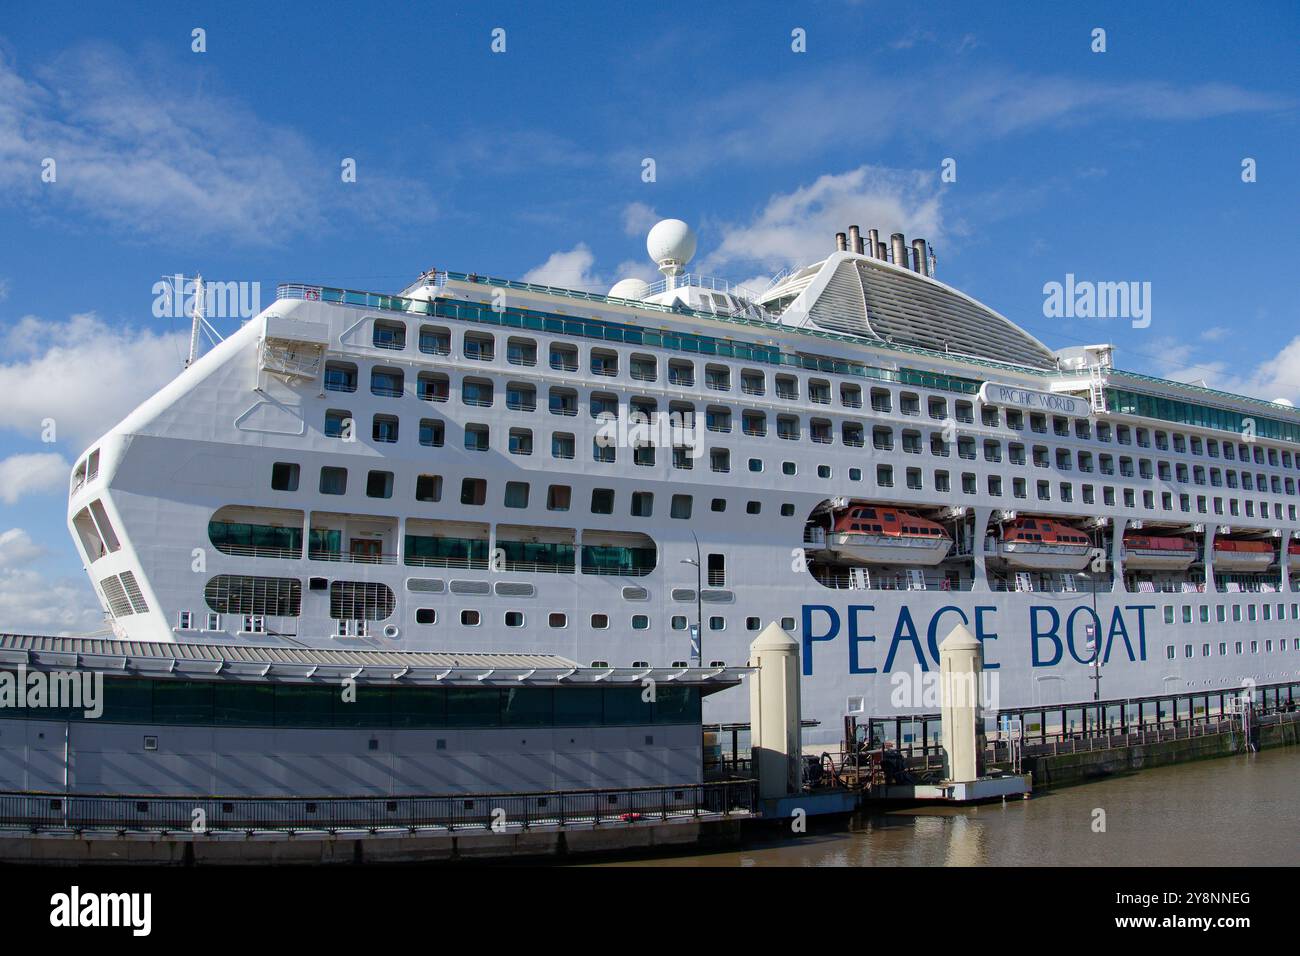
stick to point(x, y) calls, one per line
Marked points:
point(961, 662)
point(774, 714)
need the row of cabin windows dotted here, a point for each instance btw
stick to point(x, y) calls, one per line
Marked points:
point(385, 429)
point(1238, 647)
point(435, 387)
point(285, 476)
point(470, 617)
point(523, 351)
point(1253, 612)
point(563, 447)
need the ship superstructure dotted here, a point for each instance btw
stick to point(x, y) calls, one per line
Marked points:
point(860, 452)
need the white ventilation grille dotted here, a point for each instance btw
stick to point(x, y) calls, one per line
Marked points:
point(425, 585)
point(115, 594)
point(244, 594)
point(515, 589)
point(470, 587)
point(361, 601)
point(133, 593)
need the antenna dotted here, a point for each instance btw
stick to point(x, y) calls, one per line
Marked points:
point(176, 286)
point(196, 314)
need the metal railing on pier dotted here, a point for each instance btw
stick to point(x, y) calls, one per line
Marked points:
point(453, 813)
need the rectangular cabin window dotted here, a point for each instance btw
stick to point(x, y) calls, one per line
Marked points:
point(284, 476)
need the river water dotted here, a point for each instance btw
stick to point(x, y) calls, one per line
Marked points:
point(1232, 811)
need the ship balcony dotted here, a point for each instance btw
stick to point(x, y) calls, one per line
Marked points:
point(348, 557)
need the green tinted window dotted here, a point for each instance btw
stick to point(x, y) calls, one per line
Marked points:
point(527, 707)
point(472, 707)
point(182, 702)
point(419, 708)
point(370, 707)
point(243, 705)
point(576, 707)
point(304, 705)
point(677, 705)
point(623, 705)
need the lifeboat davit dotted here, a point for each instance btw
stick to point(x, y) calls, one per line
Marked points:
point(1040, 544)
point(1152, 552)
point(1233, 555)
point(869, 534)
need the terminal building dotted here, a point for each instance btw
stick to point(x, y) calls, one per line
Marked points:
point(243, 720)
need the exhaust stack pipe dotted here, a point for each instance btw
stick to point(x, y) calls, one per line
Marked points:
point(855, 240)
point(873, 243)
point(841, 242)
point(920, 261)
point(899, 243)
point(882, 251)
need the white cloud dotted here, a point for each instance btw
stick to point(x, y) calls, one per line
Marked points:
point(783, 120)
point(638, 218)
point(1277, 377)
point(17, 547)
point(81, 374)
point(148, 158)
point(31, 603)
point(38, 473)
point(1273, 378)
point(799, 227)
point(568, 270)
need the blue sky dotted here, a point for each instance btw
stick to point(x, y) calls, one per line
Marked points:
point(1117, 166)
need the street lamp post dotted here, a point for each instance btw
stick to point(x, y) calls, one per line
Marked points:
point(698, 638)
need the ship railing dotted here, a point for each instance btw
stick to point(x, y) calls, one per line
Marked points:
point(878, 580)
point(245, 551)
point(455, 813)
point(345, 557)
point(698, 281)
point(440, 561)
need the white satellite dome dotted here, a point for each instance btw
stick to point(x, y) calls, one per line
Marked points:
point(671, 242)
point(630, 289)
point(1284, 401)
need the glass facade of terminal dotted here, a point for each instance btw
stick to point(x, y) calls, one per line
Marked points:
point(266, 704)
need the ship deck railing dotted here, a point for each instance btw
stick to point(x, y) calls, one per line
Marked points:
point(452, 813)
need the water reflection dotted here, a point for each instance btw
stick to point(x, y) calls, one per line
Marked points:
point(1236, 811)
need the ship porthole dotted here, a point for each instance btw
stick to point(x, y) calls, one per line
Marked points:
point(391, 631)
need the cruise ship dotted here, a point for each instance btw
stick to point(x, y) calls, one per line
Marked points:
point(647, 478)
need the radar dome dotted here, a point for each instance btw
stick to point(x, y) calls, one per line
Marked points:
point(671, 241)
point(630, 289)
point(1284, 401)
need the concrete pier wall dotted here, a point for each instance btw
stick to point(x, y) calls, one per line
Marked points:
point(1081, 766)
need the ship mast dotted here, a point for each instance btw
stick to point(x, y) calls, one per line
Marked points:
point(196, 316)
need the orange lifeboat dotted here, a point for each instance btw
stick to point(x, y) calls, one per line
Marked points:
point(1153, 552)
point(1041, 544)
point(869, 534)
point(1233, 555)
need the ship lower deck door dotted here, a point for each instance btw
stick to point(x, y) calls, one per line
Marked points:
point(365, 550)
